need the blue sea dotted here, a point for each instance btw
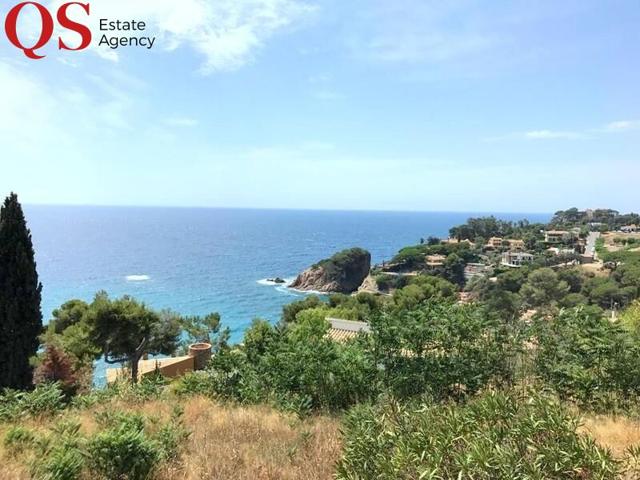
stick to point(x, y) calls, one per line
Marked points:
point(195, 261)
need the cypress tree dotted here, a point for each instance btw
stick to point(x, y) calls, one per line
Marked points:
point(20, 293)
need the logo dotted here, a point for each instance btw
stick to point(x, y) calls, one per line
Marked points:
point(47, 26)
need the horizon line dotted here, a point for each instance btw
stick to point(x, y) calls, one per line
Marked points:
point(285, 209)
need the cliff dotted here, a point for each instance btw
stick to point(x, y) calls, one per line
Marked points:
point(342, 273)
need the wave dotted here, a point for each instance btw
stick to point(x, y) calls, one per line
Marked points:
point(137, 278)
point(271, 283)
point(286, 288)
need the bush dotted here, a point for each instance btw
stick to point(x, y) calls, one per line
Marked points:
point(60, 454)
point(44, 399)
point(124, 451)
point(587, 359)
point(440, 349)
point(56, 366)
point(498, 436)
point(19, 438)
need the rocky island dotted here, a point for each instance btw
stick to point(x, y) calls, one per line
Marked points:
point(342, 273)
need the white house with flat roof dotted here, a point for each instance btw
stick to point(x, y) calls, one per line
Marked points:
point(516, 259)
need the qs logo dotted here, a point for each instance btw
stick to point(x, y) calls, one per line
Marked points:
point(47, 26)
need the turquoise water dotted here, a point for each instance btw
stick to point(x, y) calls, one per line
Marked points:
point(197, 261)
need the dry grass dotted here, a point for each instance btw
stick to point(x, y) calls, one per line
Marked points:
point(616, 433)
point(227, 442)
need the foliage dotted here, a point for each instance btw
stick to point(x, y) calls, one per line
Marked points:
point(343, 260)
point(445, 350)
point(123, 451)
point(498, 436)
point(587, 359)
point(20, 294)
point(45, 399)
point(290, 310)
point(56, 366)
point(543, 289)
point(126, 329)
point(421, 288)
point(297, 368)
point(611, 219)
point(205, 330)
point(59, 455)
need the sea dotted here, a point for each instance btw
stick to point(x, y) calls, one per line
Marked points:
point(196, 261)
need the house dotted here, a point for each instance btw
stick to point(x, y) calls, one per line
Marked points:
point(473, 270)
point(561, 251)
point(630, 229)
point(516, 259)
point(455, 241)
point(435, 260)
point(556, 236)
point(516, 245)
point(174, 367)
point(495, 242)
point(343, 330)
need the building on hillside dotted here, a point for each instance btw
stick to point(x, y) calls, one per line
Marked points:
point(435, 260)
point(173, 367)
point(516, 259)
point(516, 245)
point(455, 241)
point(556, 236)
point(343, 330)
point(473, 270)
point(630, 229)
point(495, 242)
point(561, 251)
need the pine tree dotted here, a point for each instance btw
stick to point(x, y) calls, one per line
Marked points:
point(20, 293)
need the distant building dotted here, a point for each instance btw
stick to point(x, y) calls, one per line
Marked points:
point(174, 367)
point(516, 245)
point(556, 236)
point(473, 270)
point(343, 330)
point(561, 251)
point(630, 229)
point(516, 259)
point(435, 260)
point(495, 242)
point(455, 241)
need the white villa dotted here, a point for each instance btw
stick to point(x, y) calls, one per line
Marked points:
point(516, 259)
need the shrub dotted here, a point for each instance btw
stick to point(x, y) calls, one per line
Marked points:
point(587, 359)
point(44, 399)
point(60, 454)
point(498, 436)
point(56, 366)
point(19, 438)
point(123, 451)
point(440, 349)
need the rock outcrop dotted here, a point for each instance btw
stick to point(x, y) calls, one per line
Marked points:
point(369, 285)
point(342, 273)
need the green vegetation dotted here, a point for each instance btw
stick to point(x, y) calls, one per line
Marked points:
point(496, 436)
point(436, 388)
point(605, 219)
point(20, 291)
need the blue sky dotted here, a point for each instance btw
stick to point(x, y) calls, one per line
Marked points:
point(366, 104)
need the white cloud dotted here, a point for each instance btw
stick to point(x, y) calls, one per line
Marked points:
point(227, 33)
point(622, 126)
point(415, 31)
point(552, 135)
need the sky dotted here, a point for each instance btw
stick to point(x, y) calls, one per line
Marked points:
point(504, 106)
